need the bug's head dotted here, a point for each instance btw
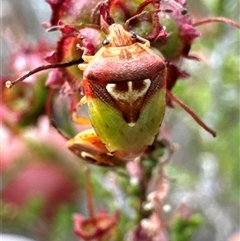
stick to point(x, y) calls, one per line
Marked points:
point(117, 36)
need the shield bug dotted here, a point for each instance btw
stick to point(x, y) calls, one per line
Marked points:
point(124, 84)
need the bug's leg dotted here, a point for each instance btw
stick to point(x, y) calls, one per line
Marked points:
point(87, 59)
point(89, 147)
point(80, 120)
point(145, 41)
point(82, 66)
point(77, 117)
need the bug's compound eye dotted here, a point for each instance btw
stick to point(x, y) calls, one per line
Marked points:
point(134, 36)
point(105, 42)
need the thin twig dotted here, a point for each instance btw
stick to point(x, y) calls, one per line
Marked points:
point(217, 19)
point(191, 112)
point(10, 84)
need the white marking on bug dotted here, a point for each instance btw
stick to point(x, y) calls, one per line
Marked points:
point(130, 96)
point(86, 155)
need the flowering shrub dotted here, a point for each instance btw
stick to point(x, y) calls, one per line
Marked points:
point(56, 92)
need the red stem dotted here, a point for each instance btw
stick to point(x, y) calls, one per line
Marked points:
point(217, 19)
point(190, 112)
point(10, 84)
point(49, 103)
point(89, 193)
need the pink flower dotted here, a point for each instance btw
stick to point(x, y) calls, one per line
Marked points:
point(100, 226)
point(36, 168)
